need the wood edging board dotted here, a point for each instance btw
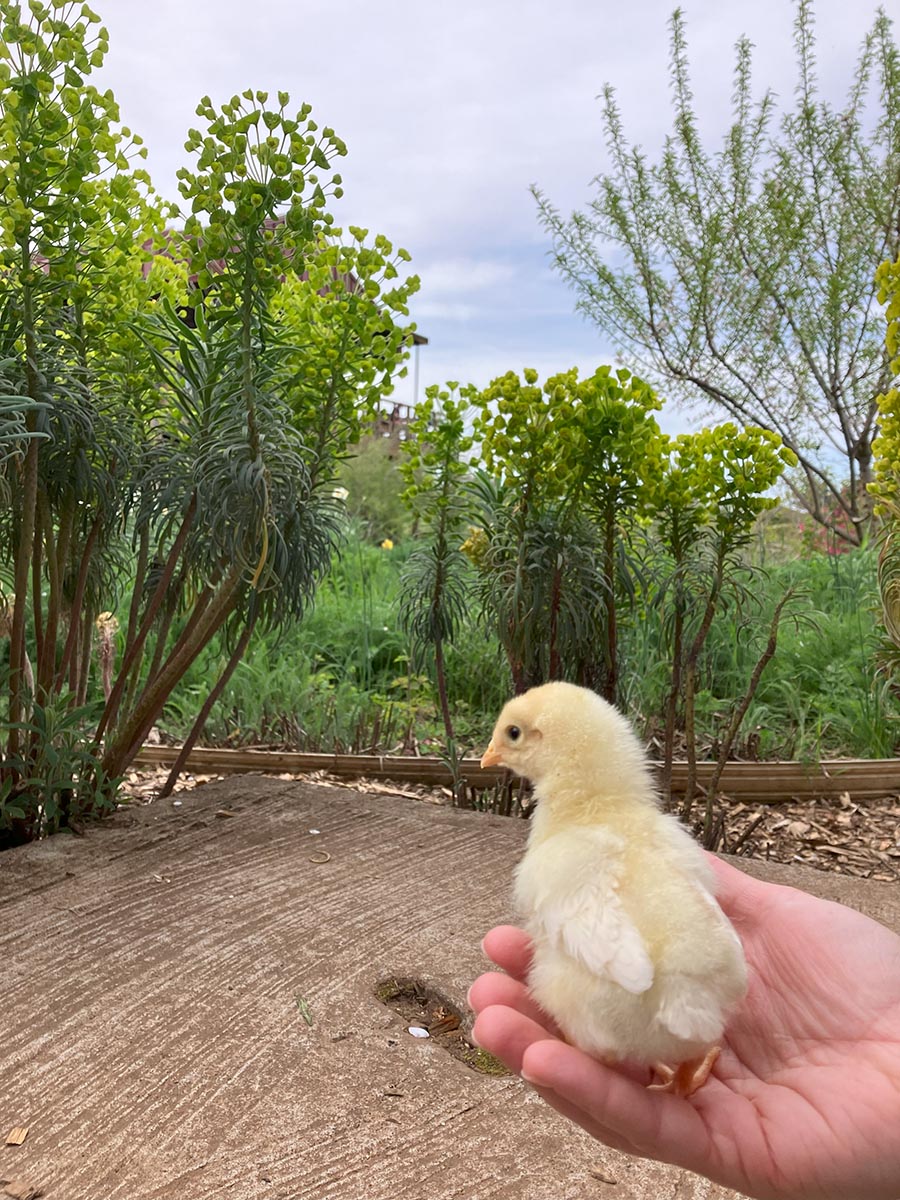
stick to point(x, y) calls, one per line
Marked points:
point(753, 781)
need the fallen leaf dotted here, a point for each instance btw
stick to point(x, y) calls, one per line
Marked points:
point(304, 1010)
point(798, 828)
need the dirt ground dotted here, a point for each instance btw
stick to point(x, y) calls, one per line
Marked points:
point(212, 996)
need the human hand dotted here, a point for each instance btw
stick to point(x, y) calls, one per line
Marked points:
point(804, 1100)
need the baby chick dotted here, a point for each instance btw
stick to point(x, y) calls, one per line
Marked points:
point(633, 958)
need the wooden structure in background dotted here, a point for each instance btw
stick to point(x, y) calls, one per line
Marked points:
point(750, 781)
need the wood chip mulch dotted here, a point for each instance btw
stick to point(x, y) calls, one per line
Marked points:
point(860, 838)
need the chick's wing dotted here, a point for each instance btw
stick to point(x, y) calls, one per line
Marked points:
point(567, 885)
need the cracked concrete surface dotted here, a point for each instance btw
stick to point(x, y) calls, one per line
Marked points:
point(188, 1007)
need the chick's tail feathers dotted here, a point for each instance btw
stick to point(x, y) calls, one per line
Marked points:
point(690, 1009)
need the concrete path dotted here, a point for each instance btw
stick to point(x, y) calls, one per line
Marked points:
point(188, 1008)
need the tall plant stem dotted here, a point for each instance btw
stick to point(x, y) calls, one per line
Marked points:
point(82, 675)
point(164, 624)
point(554, 666)
point(611, 681)
point(150, 703)
point(27, 521)
point(197, 728)
point(440, 671)
point(115, 698)
point(740, 711)
point(200, 606)
point(56, 549)
point(37, 566)
point(675, 688)
point(140, 575)
point(690, 677)
point(134, 613)
point(69, 655)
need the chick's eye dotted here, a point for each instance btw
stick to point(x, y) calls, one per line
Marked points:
point(514, 733)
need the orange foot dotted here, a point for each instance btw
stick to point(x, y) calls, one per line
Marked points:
point(687, 1076)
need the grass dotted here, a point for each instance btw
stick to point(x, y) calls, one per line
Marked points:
point(823, 695)
point(342, 679)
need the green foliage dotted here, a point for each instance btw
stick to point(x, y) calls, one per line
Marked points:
point(577, 475)
point(64, 160)
point(193, 459)
point(717, 481)
point(373, 485)
point(59, 779)
point(542, 585)
point(821, 696)
point(619, 453)
point(341, 676)
point(538, 584)
point(743, 276)
point(522, 428)
point(887, 445)
point(252, 160)
point(886, 486)
point(434, 585)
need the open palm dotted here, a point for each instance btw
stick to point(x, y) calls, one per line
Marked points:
point(804, 1100)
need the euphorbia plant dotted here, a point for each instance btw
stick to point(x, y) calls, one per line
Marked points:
point(191, 392)
point(714, 485)
point(434, 583)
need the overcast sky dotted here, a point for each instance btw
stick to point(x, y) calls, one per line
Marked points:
point(450, 111)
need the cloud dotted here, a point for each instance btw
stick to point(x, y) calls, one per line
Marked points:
point(463, 276)
point(450, 112)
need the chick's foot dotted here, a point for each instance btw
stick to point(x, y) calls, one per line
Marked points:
point(687, 1077)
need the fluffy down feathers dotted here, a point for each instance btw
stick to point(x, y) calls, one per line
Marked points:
point(633, 957)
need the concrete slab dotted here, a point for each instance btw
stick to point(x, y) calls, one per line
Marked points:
point(188, 1008)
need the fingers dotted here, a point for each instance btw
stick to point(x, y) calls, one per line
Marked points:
point(571, 1113)
point(495, 988)
point(510, 948)
point(507, 1034)
point(611, 1106)
point(614, 1107)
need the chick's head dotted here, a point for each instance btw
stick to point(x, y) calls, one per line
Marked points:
point(563, 731)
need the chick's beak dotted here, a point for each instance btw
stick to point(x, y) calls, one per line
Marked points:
point(491, 758)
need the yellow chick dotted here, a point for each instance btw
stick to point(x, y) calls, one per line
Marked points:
point(633, 958)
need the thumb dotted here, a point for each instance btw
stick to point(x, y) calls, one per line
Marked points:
point(741, 896)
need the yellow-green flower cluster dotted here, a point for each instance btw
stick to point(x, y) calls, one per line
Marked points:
point(886, 446)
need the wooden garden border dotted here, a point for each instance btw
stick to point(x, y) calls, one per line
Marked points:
point(763, 782)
